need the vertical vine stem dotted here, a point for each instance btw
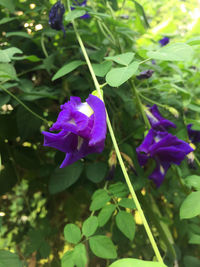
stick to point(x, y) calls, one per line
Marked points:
point(133, 194)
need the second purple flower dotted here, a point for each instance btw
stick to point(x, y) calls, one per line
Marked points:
point(165, 149)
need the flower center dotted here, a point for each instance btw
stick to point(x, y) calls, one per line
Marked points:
point(85, 109)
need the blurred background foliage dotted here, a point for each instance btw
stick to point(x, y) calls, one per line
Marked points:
point(36, 198)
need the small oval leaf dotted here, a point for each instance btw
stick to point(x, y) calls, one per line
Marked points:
point(102, 247)
point(90, 226)
point(126, 224)
point(72, 233)
point(190, 206)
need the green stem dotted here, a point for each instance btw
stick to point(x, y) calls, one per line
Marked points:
point(135, 92)
point(133, 194)
point(144, 61)
point(43, 46)
point(25, 106)
point(152, 101)
point(197, 161)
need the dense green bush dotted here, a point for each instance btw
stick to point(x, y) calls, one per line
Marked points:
point(84, 214)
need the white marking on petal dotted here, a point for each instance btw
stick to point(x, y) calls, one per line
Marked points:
point(151, 117)
point(80, 142)
point(85, 109)
point(162, 170)
point(72, 121)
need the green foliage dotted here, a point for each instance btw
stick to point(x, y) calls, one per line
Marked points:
point(67, 69)
point(99, 199)
point(39, 70)
point(193, 181)
point(173, 52)
point(136, 263)
point(102, 247)
point(90, 226)
point(118, 76)
point(9, 259)
point(123, 59)
point(126, 224)
point(105, 214)
point(61, 179)
point(192, 200)
point(96, 171)
point(72, 233)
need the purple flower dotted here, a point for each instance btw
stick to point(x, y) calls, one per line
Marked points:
point(81, 4)
point(82, 129)
point(165, 149)
point(145, 74)
point(164, 41)
point(194, 135)
point(56, 16)
point(157, 121)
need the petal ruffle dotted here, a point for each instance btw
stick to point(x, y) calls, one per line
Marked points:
point(98, 132)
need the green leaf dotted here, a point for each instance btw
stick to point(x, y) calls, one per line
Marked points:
point(194, 107)
point(118, 76)
point(72, 233)
point(136, 263)
point(173, 52)
point(194, 239)
point(7, 54)
point(105, 214)
point(190, 261)
point(5, 20)
point(8, 259)
point(7, 71)
point(8, 174)
point(96, 172)
point(99, 199)
point(141, 15)
point(4, 57)
point(65, 177)
point(27, 123)
point(9, 4)
point(33, 58)
point(12, 51)
point(19, 34)
point(118, 189)
point(102, 247)
point(101, 69)
point(127, 203)
point(74, 14)
point(80, 256)
point(68, 259)
point(126, 224)
point(123, 59)
point(67, 68)
point(90, 226)
point(194, 41)
point(4, 99)
point(193, 181)
point(190, 206)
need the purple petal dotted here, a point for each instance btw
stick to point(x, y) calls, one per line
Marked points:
point(145, 74)
point(56, 16)
point(159, 172)
point(63, 141)
point(82, 129)
point(194, 135)
point(157, 121)
point(148, 141)
point(81, 152)
point(98, 132)
point(164, 41)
